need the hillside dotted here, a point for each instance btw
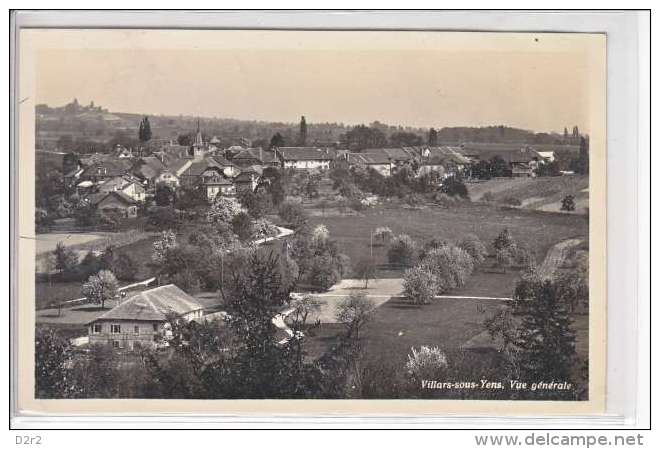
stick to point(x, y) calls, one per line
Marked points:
point(534, 193)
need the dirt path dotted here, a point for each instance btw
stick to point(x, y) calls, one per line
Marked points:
point(555, 257)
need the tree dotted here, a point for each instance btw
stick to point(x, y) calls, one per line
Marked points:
point(124, 267)
point(504, 240)
point(164, 195)
point(52, 355)
point(405, 139)
point(474, 247)
point(383, 233)
point(320, 236)
point(293, 214)
point(545, 338)
point(323, 272)
point(568, 203)
point(419, 285)
point(100, 287)
point(164, 243)
point(162, 218)
point(242, 226)
point(433, 137)
point(454, 186)
point(450, 265)
point(223, 210)
point(302, 137)
point(265, 228)
point(499, 168)
point(427, 363)
point(402, 250)
point(257, 203)
point(256, 296)
point(277, 141)
point(365, 269)
point(354, 312)
point(144, 131)
point(65, 258)
point(503, 258)
point(183, 265)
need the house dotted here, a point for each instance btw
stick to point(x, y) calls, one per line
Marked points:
point(215, 185)
point(126, 184)
point(123, 152)
point(248, 178)
point(305, 158)
point(142, 320)
point(148, 168)
point(113, 204)
point(378, 161)
point(445, 160)
point(248, 156)
point(197, 170)
point(398, 156)
point(521, 158)
point(100, 167)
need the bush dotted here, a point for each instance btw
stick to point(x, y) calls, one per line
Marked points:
point(454, 186)
point(568, 203)
point(429, 363)
point(265, 228)
point(450, 265)
point(293, 214)
point(162, 218)
point(419, 285)
point(474, 247)
point(402, 250)
point(124, 267)
point(242, 226)
point(323, 272)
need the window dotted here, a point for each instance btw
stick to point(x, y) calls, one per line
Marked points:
point(155, 327)
point(136, 330)
point(115, 329)
point(115, 344)
point(97, 328)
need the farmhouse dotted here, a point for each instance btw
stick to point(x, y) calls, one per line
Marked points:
point(114, 203)
point(248, 178)
point(305, 158)
point(377, 161)
point(140, 321)
point(215, 185)
point(126, 184)
point(522, 159)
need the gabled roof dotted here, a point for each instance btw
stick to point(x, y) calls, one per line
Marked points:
point(118, 183)
point(153, 305)
point(510, 152)
point(306, 153)
point(97, 198)
point(113, 166)
point(196, 168)
point(394, 154)
point(177, 165)
point(148, 167)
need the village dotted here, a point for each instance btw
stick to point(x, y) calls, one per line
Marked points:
point(423, 247)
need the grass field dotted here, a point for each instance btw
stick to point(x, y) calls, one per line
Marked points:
point(537, 230)
point(47, 293)
point(535, 193)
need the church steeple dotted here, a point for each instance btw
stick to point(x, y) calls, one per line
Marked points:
point(198, 138)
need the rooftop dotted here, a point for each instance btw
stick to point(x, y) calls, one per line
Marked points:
point(153, 305)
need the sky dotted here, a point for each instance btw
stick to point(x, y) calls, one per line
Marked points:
point(540, 82)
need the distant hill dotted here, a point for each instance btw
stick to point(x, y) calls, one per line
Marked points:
point(90, 128)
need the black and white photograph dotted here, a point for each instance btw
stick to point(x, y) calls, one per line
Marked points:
point(322, 215)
